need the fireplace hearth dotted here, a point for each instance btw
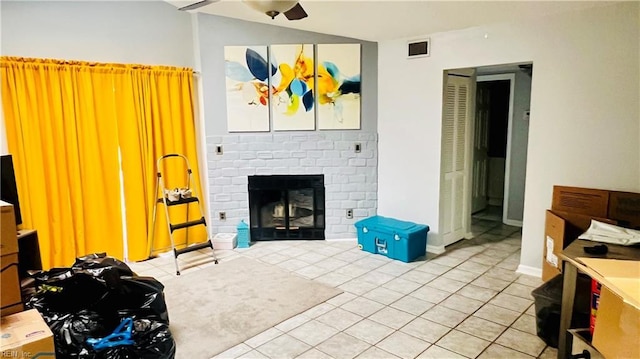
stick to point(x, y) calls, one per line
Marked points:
point(286, 207)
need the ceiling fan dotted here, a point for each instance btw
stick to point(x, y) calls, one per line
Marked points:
point(272, 8)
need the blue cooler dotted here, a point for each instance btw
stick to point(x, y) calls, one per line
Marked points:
point(393, 238)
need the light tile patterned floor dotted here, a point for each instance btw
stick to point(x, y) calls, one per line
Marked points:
point(466, 303)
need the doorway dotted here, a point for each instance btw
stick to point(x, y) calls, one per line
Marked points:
point(494, 109)
point(495, 150)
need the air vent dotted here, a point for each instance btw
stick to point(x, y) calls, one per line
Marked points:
point(418, 48)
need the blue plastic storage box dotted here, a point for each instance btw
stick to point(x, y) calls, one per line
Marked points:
point(393, 238)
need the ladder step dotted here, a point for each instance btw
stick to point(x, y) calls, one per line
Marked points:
point(187, 224)
point(192, 248)
point(180, 201)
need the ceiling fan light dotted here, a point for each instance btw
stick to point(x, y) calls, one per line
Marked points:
point(272, 13)
point(271, 7)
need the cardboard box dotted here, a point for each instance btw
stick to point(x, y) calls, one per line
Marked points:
point(8, 231)
point(12, 309)
point(572, 210)
point(581, 343)
point(617, 330)
point(624, 207)
point(585, 201)
point(26, 335)
point(562, 228)
point(10, 298)
point(617, 327)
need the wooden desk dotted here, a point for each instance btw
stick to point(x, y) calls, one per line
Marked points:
point(570, 271)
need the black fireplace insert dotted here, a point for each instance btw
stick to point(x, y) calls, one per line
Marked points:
point(286, 207)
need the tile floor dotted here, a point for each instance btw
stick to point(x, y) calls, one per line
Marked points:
point(466, 303)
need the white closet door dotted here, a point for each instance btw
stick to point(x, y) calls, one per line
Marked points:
point(455, 172)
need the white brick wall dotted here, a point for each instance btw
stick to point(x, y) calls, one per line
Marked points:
point(350, 178)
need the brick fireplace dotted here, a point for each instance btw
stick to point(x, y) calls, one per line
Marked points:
point(350, 176)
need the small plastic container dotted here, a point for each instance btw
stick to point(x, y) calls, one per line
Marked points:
point(401, 240)
point(224, 241)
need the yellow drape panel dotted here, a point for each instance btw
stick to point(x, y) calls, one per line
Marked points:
point(158, 119)
point(66, 122)
point(61, 129)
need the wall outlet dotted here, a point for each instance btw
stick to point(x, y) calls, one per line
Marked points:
point(222, 216)
point(219, 149)
point(349, 213)
point(357, 147)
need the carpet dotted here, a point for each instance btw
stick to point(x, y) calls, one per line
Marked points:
point(218, 307)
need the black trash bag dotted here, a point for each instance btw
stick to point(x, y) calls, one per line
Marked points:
point(65, 291)
point(142, 297)
point(151, 340)
point(99, 283)
point(80, 302)
point(97, 262)
point(70, 332)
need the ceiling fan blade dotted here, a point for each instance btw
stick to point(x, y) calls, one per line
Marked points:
point(198, 4)
point(296, 13)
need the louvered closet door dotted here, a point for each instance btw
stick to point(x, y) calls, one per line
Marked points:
point(455, 125)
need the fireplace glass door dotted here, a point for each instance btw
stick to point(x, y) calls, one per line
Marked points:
point(295, 210)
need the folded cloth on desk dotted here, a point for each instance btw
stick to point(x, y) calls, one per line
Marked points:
point(609, 233)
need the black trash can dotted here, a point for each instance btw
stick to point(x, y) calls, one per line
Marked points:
point(548, 304)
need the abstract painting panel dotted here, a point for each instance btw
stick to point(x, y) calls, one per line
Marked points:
point(292, 97)
point(338, 87)
point(247, 75)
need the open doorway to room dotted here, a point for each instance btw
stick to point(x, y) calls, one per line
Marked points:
point(493, 96)
point(503, 97)
point(484, 139)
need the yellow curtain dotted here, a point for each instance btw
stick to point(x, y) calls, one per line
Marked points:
point(158, 119)
point(67, 124)
point(61, 130)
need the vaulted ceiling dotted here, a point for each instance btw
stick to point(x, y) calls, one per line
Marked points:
point(391, 19)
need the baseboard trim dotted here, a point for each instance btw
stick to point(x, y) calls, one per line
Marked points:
point(528, 270)
point(341, 239)
point(435, 249)
point(512, 222)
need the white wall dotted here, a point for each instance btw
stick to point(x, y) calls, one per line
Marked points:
point(585, 116)
point(142, 32)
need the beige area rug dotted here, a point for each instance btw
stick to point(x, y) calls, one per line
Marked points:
point(216, 308)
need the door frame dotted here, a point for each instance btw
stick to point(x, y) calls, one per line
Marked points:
point(507, 165)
